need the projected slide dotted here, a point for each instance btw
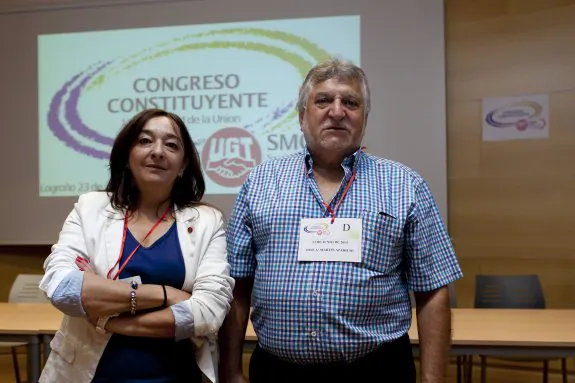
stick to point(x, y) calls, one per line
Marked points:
point(235, 85)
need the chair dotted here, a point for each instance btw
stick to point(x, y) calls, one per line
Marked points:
point(24, 290)
point(512, 292)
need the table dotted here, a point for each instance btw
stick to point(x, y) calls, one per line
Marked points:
point(20, 322)
point(502, 332)
point(547, 333)
point(496, 332)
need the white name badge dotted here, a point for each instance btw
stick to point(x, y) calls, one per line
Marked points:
point(322, 241)
point(136, 278)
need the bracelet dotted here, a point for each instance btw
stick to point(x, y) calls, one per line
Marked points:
point(164, 305)
point(133, 302)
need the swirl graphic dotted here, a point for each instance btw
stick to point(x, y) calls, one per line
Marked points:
point(317, 228)
point(64, 117)
point(521, 115)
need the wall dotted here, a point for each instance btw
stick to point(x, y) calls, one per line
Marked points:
point(19, 260)
point(511, 203)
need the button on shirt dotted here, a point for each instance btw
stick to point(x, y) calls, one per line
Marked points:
point(317, 312)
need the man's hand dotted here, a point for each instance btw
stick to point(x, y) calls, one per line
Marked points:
point(434, 327)
point(232, 333)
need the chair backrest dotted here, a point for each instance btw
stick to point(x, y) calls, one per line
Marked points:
point(509, 291)
point(25, 289)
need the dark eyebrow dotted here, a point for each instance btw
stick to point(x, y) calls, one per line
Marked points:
point(168, 135)
point(328, 94)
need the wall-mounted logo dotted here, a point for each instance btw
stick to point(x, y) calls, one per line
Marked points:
point(229, 155)
point(521, 116)
point(319, 229)
point(516, 118)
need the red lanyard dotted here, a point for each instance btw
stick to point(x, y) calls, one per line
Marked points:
point(332, 212)
point(137, 247)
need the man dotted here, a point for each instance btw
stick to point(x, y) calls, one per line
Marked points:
point(331, 240)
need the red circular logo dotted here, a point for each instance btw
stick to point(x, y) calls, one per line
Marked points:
point(229, 154)
point(521, 125)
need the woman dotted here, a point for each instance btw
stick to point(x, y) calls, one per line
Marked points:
point(140, 271)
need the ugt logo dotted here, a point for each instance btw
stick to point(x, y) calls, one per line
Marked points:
point(229, 155)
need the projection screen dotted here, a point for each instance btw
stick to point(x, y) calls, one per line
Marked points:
point(73, 75)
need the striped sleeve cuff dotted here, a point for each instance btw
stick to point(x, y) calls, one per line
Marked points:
point(184, 320)
point(68, 295)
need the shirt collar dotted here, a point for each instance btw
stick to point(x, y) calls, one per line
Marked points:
point(349, 163)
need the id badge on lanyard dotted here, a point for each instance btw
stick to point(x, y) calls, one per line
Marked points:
point(328, 239)
point(323, 241)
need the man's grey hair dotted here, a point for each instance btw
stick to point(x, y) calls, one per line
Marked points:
point(334, 68)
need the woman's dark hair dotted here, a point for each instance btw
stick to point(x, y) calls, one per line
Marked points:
point(187, 190)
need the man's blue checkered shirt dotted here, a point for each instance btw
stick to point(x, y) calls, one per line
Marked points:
point(316, 312)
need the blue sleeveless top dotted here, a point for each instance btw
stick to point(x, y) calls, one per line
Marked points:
point(129, 359)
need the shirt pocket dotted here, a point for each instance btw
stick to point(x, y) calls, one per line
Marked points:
point(382, 240)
